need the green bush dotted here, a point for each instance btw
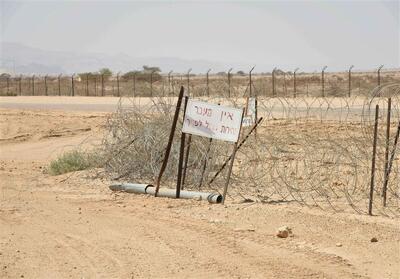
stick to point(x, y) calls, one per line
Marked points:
point(71, 161)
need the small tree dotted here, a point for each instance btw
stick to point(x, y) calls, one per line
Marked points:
point(148, 69)
point(105, 72)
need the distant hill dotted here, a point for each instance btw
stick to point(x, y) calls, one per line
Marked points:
point(20, 59)
point(16, 58)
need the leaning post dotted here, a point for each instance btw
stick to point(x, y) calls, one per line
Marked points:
point(371, 189)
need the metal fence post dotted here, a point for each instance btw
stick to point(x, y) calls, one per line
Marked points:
point(20, 85)
point(273, 82)
point(151, 84)
point(207, 83)
point(134, 84)
point(294, 83)
point(87, 84)
point(8, 85)
point(351, 67)
point(379, 74)
point(169, 81)
point(386, 166)
point(284, 84)
point(250, 82)
point(323, 80)
point(371, 190)
point(33, 85)
point(102, 85)
point(118, 93)
point(188, 81)
point(45, 85)
point(72, 86)
point(170, 140)
point(59, 85)
point(229, 82)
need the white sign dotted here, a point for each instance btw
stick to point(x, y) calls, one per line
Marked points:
point(250, 118)
point(212, 121)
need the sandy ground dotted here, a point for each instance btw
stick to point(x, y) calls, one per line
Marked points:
point(72, 226)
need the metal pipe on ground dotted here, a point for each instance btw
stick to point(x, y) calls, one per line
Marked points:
point(130, 187)
point(168, 193)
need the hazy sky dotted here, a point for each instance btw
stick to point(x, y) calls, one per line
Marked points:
point(308, 34)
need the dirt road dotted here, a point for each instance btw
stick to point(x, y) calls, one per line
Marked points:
point(72, 226)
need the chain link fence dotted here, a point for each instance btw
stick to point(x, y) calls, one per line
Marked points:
point(275, 84)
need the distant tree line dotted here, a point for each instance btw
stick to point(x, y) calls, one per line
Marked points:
point(146, 73)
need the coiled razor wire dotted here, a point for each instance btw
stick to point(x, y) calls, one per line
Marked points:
point(310, 150)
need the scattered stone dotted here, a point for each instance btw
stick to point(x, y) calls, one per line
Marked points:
point(338, 244)
point(374, 239)
point(246, 200)
point(284, 232)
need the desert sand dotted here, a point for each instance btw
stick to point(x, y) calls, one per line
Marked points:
point(73, 226)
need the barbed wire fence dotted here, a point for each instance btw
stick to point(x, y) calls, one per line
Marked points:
point(227, 84)
point(314, 146)
point(315, 151)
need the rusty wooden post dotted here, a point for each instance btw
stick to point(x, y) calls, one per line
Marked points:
point(229, 82)
point(170, 140)
point(323, 80)
point(351, 67)
point(371, 189)
point(294, 83)
point(181, 152)
point(385, 175)
point(235, 148)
